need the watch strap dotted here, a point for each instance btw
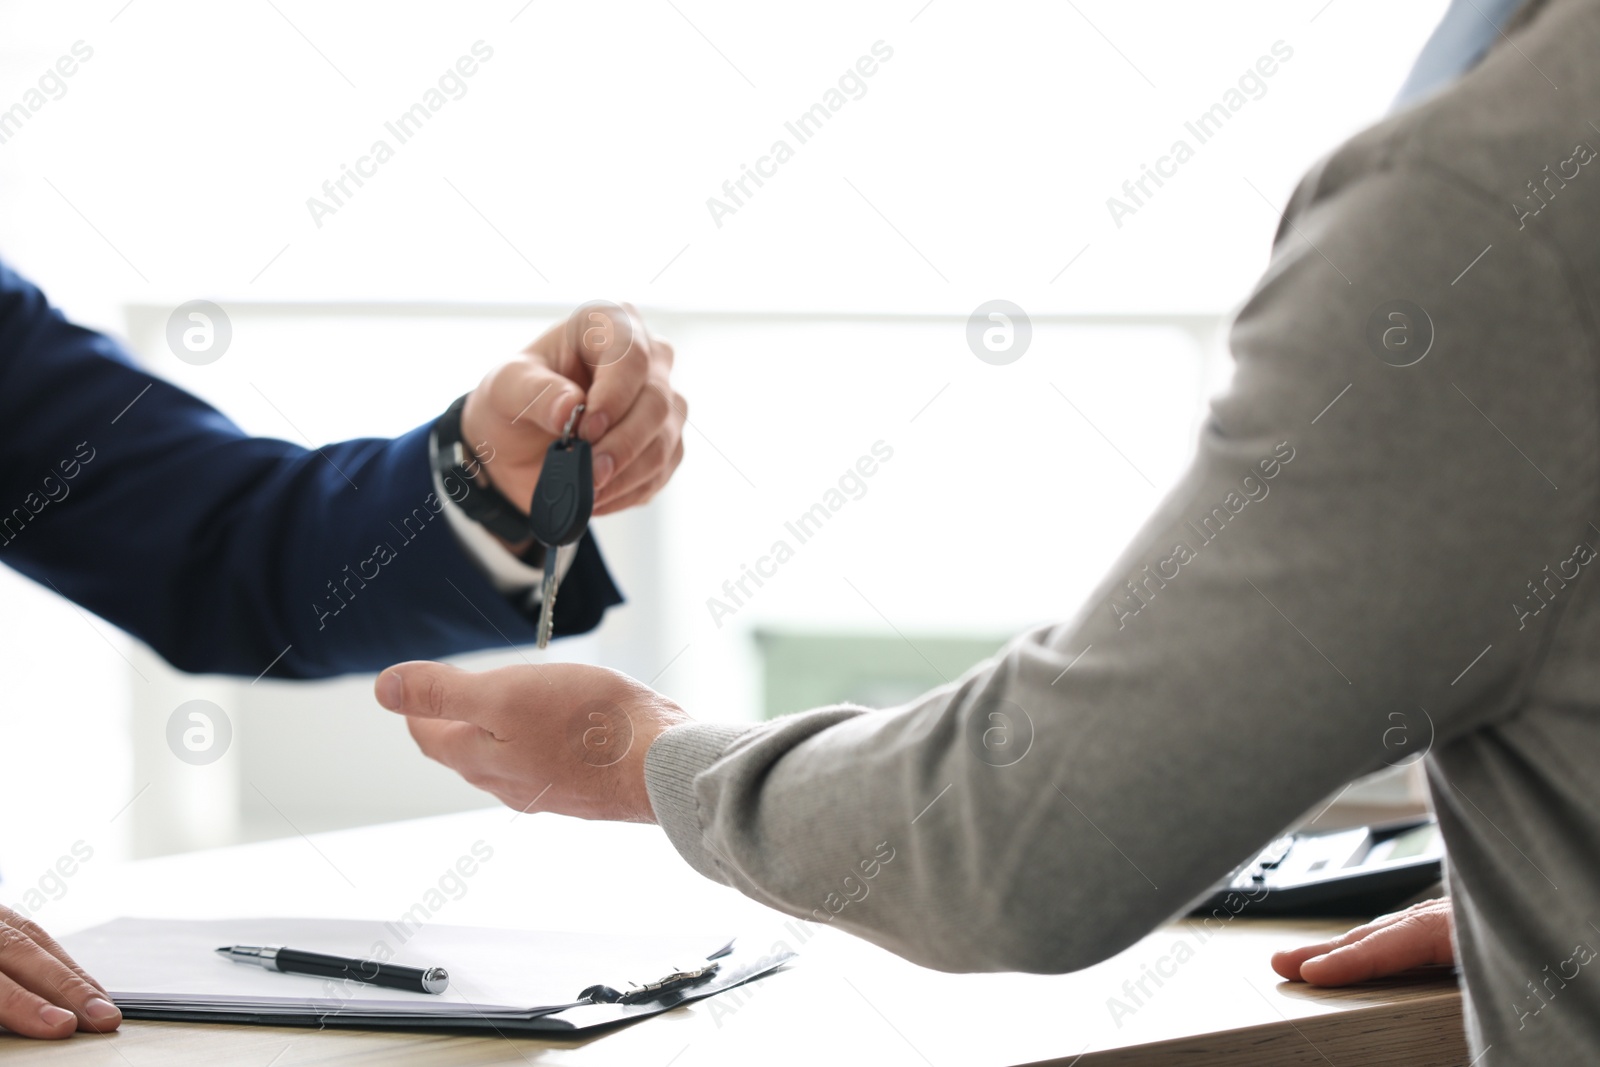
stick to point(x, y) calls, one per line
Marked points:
point(482, 502)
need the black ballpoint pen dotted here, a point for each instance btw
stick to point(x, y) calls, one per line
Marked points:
point(369, 972)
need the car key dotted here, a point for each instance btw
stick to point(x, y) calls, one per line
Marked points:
point(563, 500)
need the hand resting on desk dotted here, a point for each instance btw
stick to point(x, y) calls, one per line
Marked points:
point(1416, 937)
point(43, 993)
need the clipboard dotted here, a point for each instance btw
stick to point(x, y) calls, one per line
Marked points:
point(505, 981)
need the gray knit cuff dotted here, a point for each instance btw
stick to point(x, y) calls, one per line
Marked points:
point(671, 766)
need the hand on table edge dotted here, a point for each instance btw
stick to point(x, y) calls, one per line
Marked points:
point(43, 991)
point(1419, 936)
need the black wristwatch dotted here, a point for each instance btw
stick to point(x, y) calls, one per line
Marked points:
point(480, 501)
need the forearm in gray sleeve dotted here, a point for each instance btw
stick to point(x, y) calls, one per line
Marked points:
point(1312, 577)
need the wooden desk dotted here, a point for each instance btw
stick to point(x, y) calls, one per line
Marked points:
point(843, 1002)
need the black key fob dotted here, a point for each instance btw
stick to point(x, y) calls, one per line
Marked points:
point(564, 498)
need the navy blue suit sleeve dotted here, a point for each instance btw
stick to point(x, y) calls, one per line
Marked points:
point(226, 552)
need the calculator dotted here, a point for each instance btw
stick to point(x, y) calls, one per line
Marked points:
point(1358, 872)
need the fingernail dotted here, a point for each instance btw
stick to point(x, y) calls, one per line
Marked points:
point(54, 1016)
point(604, 467)
point(101, 1010)
point(390, 690)
point(595, 426)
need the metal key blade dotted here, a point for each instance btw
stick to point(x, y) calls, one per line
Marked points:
point(547, 597)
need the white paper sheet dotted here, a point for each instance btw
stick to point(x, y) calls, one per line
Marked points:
point(172, 963)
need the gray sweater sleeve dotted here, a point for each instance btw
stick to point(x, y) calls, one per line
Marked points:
point(1342, 561)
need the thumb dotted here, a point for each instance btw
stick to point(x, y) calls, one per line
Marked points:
point(528, 393)
point(425, 690)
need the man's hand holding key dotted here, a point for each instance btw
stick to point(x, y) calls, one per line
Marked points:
point(603, 358)
point(539, 475)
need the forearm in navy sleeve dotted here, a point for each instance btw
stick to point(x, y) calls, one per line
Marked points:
point(227, 552)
